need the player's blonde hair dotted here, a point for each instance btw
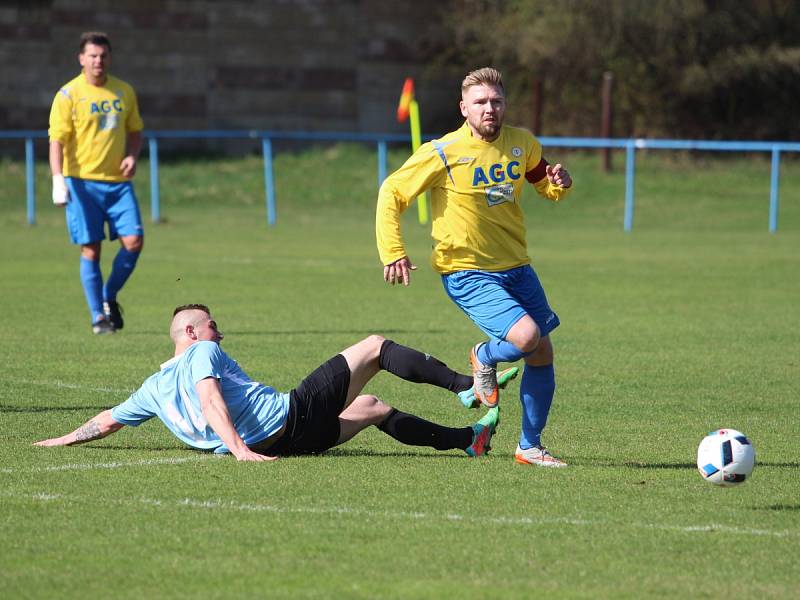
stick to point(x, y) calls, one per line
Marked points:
point(483, 76)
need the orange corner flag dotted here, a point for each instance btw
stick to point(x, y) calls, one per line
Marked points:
point(405, 100)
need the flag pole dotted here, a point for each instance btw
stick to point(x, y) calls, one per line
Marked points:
point(416, 141)
point(409, 109)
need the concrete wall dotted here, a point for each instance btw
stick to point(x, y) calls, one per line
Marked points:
point(316, 65)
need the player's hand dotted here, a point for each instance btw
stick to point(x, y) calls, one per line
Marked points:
point(558, 175)
point(128, 166)
point(59, 441)
point(60, 191)
point(248, 455)
point(399, 271)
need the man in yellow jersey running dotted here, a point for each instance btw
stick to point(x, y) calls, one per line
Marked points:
point(475, 177)
point(95, 139)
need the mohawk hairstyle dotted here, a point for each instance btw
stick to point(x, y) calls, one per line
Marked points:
point(184, 307)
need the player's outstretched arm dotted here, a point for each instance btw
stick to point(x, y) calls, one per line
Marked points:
point(215, 410)
point(94, 429)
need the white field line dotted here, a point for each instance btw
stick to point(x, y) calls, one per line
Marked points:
point(228, 505)
point(71, 386)
point(106, 465)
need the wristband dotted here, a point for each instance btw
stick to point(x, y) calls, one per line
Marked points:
point(60, 191)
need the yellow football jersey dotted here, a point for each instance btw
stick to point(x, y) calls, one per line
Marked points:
point(92, 123)
point(475, 187)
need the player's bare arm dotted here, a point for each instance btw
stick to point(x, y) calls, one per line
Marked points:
point(399, 271)
point(133, 147)
point(215, 410)
point(94, 429)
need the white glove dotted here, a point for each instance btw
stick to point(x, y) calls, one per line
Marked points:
point(60, 191)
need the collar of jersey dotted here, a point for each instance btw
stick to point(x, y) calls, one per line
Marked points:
point(171, 361)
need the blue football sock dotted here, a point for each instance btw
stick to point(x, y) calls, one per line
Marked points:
point(495, 351)
point(536, 394)
point(123, 266)
point(92, 280)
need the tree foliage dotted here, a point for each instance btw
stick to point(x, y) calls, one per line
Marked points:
point(727, 69)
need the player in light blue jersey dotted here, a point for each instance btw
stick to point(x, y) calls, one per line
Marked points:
point(208, 402)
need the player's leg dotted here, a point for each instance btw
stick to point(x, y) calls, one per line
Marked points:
point(485, 299)
point(411, 430)
point(536, 395)
point(418, 367)
point(92, 283)
point(125, 222)
point(123, 266)
point(327, 409)
point(85, 220)
point(363, 411)
point(538, 383)
point(376, 353)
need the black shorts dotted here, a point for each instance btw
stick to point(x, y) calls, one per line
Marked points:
point(314, 409)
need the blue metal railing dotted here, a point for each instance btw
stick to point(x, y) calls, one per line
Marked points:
point(629, 145)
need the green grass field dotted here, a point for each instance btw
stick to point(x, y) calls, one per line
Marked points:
point(687, 324)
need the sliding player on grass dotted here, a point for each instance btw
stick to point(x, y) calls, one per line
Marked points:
point(207, 401)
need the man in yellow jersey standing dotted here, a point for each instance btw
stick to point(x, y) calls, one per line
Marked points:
point(475, 177)
point(95, 138)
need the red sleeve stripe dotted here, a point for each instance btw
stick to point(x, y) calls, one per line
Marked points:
point(538, 172)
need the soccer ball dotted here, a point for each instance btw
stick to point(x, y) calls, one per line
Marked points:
point(726, 457)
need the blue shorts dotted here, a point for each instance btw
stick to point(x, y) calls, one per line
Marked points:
point(93, 203)
point(495, 301)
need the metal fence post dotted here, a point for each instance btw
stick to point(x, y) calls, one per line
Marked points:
point(773, 189)
point(630, 165)
point(381, 162)
point(155, 193)
point(269, 180)
point(30, 181)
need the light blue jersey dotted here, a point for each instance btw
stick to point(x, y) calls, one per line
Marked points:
point(257, 411)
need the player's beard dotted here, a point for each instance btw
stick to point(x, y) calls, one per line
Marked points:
point(489, 131)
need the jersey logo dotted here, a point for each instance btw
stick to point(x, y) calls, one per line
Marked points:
point(464, 160)
point(497, 194)
point(497, 173)
point(107, 122)
point(106, 107)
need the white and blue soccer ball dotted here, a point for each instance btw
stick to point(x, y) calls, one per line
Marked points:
point(726, 457)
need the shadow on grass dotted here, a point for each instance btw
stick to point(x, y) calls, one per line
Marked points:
point(44, 409)
point(778, 507)
point(643, 465)
point(356, 332)
point(359, 452)
point(640, 465)
point(140, 448)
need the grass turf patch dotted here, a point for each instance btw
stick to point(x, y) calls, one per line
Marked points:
point(678, 328)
